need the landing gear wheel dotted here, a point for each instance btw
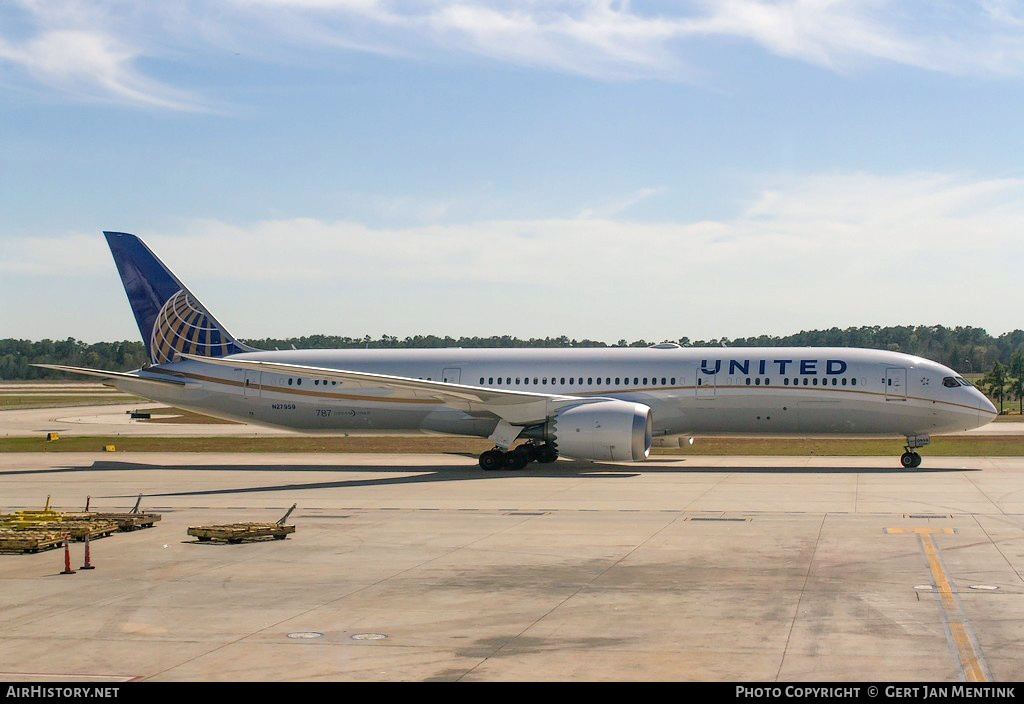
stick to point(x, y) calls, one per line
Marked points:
point(546, 454)
point(516, 460)
point(910, 459)
point(530, 450)
point(492, 460)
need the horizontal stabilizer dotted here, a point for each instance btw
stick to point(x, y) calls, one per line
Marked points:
point(103, 374)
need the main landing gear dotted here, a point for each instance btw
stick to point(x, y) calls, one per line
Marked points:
point(518, 458)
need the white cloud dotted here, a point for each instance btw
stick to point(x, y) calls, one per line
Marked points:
point(822, 250)
point(609, 39)
point(92, 65)
point(95, 49)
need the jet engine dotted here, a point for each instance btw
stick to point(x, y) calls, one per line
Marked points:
point(613, 430)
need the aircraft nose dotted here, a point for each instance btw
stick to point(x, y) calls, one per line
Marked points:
point(986, 411)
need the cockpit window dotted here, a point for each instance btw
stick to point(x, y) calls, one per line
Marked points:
point(964, 382)
point(950, 382)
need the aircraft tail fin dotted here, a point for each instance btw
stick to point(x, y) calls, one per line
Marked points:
point(171, 320)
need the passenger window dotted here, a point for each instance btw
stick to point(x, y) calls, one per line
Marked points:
point(481, 381)
point(534, 380)
point(298, 382)
point(663, 381)
point(526, 381)
point(598, 381)
point(517, 380)
point(806, 381)
point(834, 381)
point(544, 380)
point(785, 381)
point(673, 381)
point(289, 382)
point(570, 381)
point(757, 381)
point(815, 381)
point(490, 380)
point(499, 381)
point(767, 381)
point(844, 381)
point(581, 381)
point(636, 381)
point(748, 381)
point(508, 380)
point(590, 381)
point(645, 381)
point(563, 381)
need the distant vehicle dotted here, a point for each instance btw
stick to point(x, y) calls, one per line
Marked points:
point(602, 404)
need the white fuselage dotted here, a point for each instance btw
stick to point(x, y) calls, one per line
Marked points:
point(709, 391)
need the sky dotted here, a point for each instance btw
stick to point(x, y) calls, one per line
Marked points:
point(596, 169)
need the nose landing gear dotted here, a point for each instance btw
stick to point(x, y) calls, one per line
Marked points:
point(910, 459)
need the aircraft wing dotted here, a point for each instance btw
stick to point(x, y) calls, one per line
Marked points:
point(516, 407)
point(103, 374)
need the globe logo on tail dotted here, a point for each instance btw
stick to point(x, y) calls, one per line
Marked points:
point(182, 326)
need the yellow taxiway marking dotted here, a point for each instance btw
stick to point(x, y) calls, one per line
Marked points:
point(970, 658)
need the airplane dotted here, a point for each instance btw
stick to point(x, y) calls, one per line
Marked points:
point(534, 405)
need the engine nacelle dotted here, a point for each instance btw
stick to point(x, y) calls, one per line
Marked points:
point(619, 431)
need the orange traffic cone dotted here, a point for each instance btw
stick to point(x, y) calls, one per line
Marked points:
point(88, 565)
point(67, 558)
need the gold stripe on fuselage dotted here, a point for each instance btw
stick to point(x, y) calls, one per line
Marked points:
point(356, 397)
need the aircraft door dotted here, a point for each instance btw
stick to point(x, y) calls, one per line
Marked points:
point(895, 384)
point(452, 375)
point(251, 386)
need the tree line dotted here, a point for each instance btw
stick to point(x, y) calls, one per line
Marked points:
point(967, 349)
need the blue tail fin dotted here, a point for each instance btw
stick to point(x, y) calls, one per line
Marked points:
point(170, 318)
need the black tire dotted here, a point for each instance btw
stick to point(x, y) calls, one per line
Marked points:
point(492, 460)
point(516, 460)
point(907, 460)
point(546, 454)
point(917, 459)
point(204, 538)
point(280, 537)
point(527, 451)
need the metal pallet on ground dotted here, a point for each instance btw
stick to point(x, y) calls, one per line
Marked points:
point(237, 532)
point(21, 541)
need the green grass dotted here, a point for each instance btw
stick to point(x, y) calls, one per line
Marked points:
point(956, 445)
point(30, 402)
point(948, 446)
